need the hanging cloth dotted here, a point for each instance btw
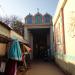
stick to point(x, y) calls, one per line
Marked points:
point(11, 67)
point(2, 67)
point(28, 48)
point(14, 51)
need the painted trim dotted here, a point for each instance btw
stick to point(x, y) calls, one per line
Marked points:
point(60, 5)
point(63, 30)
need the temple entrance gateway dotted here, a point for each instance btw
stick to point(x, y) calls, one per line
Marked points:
point(40, 45)
point(38, 30)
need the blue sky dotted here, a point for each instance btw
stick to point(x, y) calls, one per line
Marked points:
point(21, 8)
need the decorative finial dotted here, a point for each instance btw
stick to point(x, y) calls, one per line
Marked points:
point(29, 13)
point(37, 9)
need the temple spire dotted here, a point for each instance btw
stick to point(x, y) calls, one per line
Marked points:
point(37, 9)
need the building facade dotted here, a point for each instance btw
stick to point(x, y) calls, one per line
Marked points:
point(38, 31)
point(64, 31)
point(7, 36)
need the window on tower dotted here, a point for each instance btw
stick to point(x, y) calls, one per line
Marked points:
point(38, 19)
point(29, 19)
point(46, 18)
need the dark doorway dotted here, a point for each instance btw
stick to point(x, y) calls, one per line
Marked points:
point(40, 44)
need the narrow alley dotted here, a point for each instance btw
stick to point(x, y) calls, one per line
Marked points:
point(42, 68)
point(42, 43)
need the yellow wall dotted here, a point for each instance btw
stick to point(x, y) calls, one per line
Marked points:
point(59, 38)
point(2, 49)
point(68, 61)
point(4, 31)
point(15, 35)
point(69, 21)
point(60, 5)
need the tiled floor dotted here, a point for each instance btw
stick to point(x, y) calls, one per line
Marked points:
point(43, 69)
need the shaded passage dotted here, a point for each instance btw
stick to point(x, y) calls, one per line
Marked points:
point(43, 69)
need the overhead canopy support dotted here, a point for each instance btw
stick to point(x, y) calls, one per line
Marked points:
point(4, 38)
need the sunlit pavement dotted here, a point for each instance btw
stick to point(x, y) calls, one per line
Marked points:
point(43, 69)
